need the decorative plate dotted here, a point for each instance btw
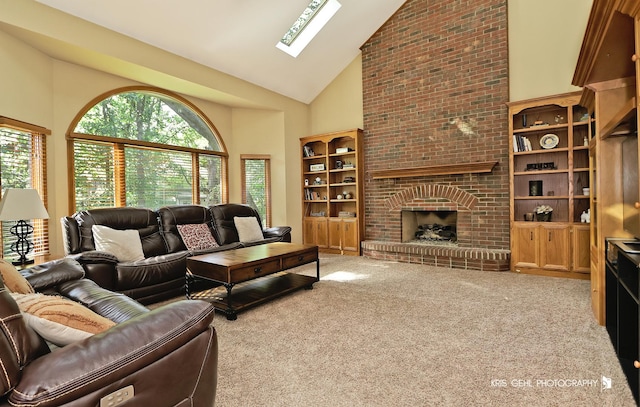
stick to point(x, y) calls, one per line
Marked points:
point(549, 141)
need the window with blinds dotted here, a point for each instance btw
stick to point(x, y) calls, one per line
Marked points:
point(212, 189)
point(94, 174)
point(23, 165)
point(256, 185)
point(146, 148)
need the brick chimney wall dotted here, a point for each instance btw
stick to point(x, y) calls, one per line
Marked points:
point(435, 84)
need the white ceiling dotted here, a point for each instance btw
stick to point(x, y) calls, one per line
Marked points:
point(238, 37)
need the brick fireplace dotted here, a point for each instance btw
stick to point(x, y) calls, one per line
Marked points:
point(435, 84)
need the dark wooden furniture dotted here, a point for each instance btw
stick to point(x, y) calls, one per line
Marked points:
point(256, 273)
point(622, 307)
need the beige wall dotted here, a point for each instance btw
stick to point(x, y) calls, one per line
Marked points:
point(339, 105)
point(544, 42)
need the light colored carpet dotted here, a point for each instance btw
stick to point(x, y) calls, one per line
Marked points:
point(374, 333)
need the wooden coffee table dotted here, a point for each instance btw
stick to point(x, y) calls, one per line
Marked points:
point(258, 272)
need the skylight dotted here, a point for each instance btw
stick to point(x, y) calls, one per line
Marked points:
point(305, 28)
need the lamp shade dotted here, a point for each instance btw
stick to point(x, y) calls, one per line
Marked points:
point(21, 204)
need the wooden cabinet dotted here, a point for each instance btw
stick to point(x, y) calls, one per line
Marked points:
point(343, 234)
point(608, 70)
point(332, 191)
point(549, 168)
point(581, 257)
point(555, 247)
point(315, 232)
point(525, 252)
point(550, 248)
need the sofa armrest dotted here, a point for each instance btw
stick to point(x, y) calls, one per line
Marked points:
point(282, 232)
point(94, 256)
point(52, 273)
point(92, 368)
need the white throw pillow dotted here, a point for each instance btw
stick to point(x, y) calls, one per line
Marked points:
point(248, 229)
point(124, 244)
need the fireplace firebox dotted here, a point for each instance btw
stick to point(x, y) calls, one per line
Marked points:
point(432, 227)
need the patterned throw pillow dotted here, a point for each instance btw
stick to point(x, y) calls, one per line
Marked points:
point(58, 319)
point(197, 236)
point(13, 280)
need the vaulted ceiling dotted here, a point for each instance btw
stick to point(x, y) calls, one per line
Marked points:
point(238, 37)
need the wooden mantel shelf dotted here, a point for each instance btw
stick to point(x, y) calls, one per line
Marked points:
point(446, 169)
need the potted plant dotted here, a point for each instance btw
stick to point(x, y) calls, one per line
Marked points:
point(543, 213)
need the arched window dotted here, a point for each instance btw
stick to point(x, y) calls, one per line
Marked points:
point(145, 147)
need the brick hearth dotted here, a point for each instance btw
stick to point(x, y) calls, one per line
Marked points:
point(435, 84)
point(439, 256)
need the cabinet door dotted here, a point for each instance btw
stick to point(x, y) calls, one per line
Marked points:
point(335, 233)
point(315, 231)
point(309, 232)
point(350, 234)
point(322, 238)
point(581, 249)
point(554, 247)
point(525, 247)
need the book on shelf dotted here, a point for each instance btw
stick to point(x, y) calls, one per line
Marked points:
point(521, 143)
point(310, 195)
point(308, 151)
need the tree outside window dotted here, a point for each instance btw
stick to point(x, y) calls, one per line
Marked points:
point(145, 147)
point(256, 184)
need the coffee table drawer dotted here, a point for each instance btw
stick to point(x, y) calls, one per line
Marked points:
point(255, 271)
point(298, 259)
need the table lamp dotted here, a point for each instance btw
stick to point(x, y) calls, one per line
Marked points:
point(21, 205)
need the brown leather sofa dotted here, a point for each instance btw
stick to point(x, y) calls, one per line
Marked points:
point(168, 355)
point(161, 274)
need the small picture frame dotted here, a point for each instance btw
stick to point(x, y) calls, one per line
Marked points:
point(316, 167)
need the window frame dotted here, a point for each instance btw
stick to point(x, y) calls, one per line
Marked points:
point(119, 144)
point(40, 236)
point(267, 170)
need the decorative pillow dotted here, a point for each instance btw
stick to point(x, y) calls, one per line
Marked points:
point(13, 280)
point(124, 244)
point(197, 236)
point(248, 229)
point(60, 320)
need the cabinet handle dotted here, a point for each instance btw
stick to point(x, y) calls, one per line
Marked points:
point(300, 258)
point(636, 205)
point(636, 364)
point(257, 270)
point(549, 236)
point(531, 235)
point(634, 57)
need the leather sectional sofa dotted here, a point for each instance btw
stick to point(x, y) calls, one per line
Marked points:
point(161, 273)
point(162, 357)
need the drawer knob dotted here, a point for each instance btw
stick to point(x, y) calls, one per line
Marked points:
point(636, 364)
point(636, 205)
point(257, 270)
point(300, 258)
point(634, 57)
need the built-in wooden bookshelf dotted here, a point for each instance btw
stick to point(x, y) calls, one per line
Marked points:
point(549, 167)
point(332, 191)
